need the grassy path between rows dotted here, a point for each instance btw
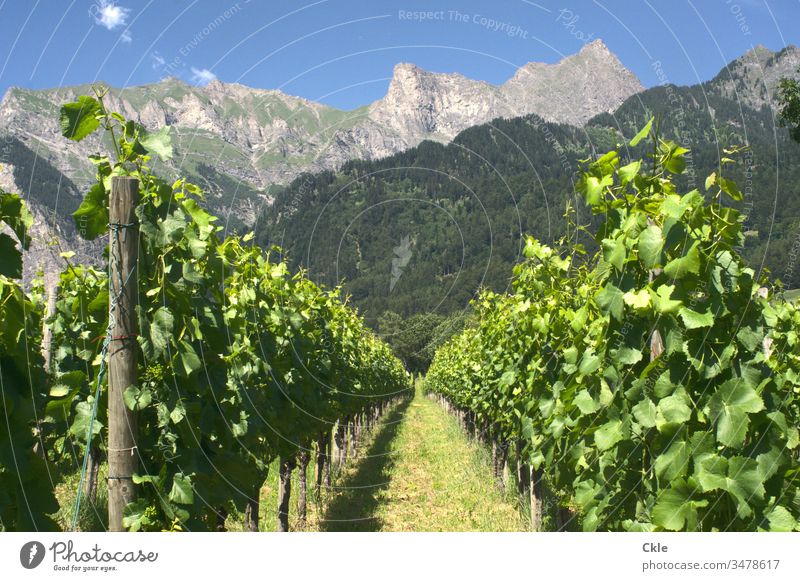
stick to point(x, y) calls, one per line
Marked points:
point(417, 471)
point(420, 472)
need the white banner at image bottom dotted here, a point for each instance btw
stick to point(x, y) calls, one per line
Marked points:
point(371, 556)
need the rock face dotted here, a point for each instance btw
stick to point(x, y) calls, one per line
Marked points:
point(51, 234)
point(753, 78)
point(419, 103)
point(262, 138)
point(422, 105)
point(237, 142)
point(575, 89)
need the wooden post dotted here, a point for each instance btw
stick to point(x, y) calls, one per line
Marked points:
point(564, 517)
point(328, 454)
point(339, 444)
point(124, 246)
point(354, 437)
point(221, 516)
point(536, 500)
point(322, 452)
point(284, 492)
point(47, 331)
point(523, 471)
point(348, 440)
point(251, 510)
point(304, 457)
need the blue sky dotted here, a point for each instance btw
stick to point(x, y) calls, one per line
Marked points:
point(342, 52)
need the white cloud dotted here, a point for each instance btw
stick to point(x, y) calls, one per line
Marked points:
point(126, 36)
point(158, 60)
point(202, 76)
point(112, 16)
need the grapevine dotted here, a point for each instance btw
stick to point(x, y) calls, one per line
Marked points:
point(26, 496)
point(652, 385)
point(241, 361)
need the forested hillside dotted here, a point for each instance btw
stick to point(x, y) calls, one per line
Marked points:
point(425, 229)
point(462, 207)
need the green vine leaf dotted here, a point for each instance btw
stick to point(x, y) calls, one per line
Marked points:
point(80, 118)
point(781, 520)
point(137, 399)
point(644, 132)
point(676, 508)
point(678, 268)
point(609, 434)
point(645, 413)
point(182, 491)
point(91, 217)
point(694, 320)
point(158, 143)
point(674, 462)
point(161, 330)
point(730, 409)
point(651, 243)
point(611, 300)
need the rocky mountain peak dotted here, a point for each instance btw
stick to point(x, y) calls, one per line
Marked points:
point(759, 53)
point(258, 135)
point(753, 77)
point(403, 72)
point(420, 104)
point(261, 137)
point(597, 46)
point(595, 52)
point(575, 88)
point(411, 81)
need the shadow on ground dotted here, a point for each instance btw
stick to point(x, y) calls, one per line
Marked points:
point(353, 509)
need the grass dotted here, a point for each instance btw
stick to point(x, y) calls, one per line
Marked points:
point(417, 471)
point(318, 508)
point(91, 517)
point(268, 503)
point(357, 494)
point(421, 473)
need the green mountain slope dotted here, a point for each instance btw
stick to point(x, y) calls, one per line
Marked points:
point(425, 229)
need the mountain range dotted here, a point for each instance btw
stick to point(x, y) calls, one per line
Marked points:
point(248, 147)
point(459, 210)
point(264, 138)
